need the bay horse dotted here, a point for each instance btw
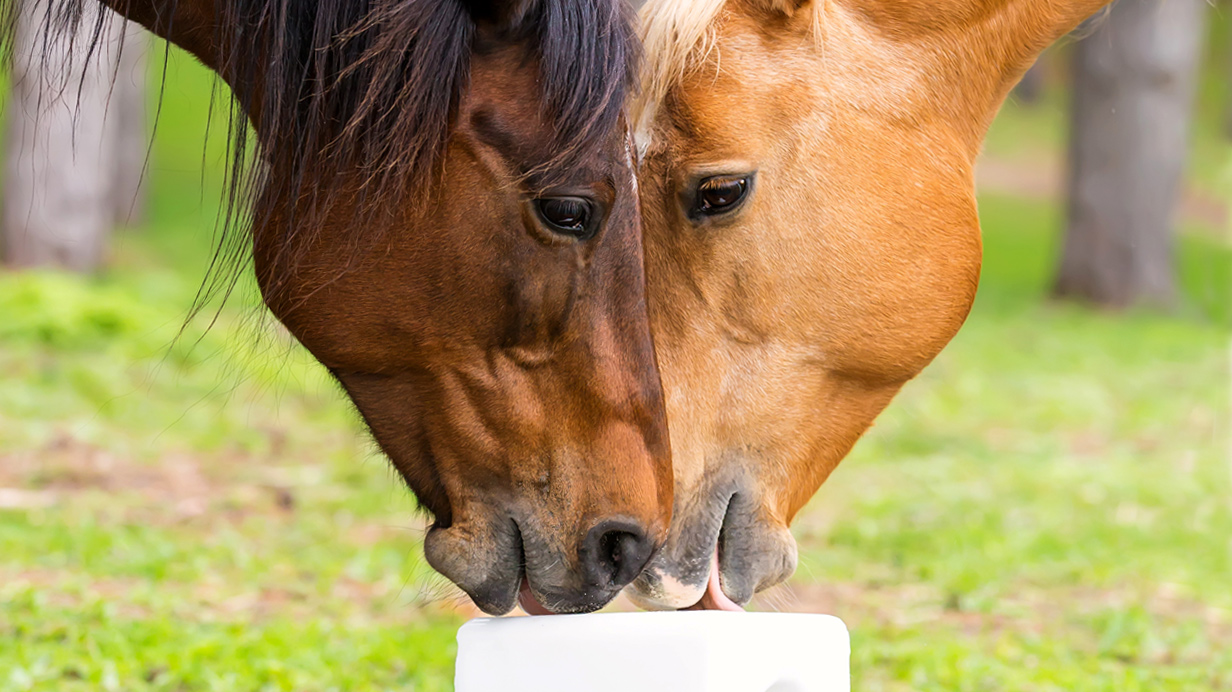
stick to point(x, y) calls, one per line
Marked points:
point(442, 209)
point(812, 242)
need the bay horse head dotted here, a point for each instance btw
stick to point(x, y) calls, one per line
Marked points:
point(443, 211)
point(812, 242)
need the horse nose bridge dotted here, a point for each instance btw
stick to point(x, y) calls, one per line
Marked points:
point(613, 476)
point(625, 414)
point(614, 350)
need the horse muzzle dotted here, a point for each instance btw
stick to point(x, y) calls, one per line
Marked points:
point(727, 528)
point(500, 563)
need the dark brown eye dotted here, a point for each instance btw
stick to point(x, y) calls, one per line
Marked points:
point(719, 195)
point(569, 216)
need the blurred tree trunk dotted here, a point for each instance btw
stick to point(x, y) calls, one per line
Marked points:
point(1134, 83)
point(128, 107)
point(58, 197)
point(1031, 86)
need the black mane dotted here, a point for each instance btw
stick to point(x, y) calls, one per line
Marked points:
point(356, 98)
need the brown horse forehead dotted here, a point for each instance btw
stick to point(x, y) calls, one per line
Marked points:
point(552, 102)
point(532, 150)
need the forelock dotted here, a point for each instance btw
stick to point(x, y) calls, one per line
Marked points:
point(674, 34)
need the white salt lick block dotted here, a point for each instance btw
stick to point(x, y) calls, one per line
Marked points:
point(696, 651)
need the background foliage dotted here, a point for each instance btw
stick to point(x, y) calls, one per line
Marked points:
point(191, 508)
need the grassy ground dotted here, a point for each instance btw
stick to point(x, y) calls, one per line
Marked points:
point(1047, 508)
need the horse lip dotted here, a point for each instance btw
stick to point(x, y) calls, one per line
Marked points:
point(495, 597)
point(484, 561)
point(718, 566)
point(753, 553)
point(585, 601)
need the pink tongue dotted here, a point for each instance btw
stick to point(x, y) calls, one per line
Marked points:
point(529, 603)
point(714, 598)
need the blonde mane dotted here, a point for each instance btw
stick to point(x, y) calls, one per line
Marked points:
point(676, 36)
point(674, 33)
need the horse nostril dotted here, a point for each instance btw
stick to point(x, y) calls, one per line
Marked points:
point(614, 553)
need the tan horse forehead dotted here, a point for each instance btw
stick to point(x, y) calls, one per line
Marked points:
point(832, 56)
point(761, 104)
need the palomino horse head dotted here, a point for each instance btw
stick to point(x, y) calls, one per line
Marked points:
point(812, 242)
point(446, 217)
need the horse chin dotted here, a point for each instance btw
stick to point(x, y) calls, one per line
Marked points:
point(535, 602)
point(482, 561)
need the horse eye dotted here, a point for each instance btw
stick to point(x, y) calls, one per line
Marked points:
point(567, 215)
point(719, 195)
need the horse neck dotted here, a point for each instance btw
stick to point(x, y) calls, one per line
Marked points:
point(1017, 29)
point(189, 24)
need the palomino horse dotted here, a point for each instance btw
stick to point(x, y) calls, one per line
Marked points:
point(812, 242)
point(444, 214)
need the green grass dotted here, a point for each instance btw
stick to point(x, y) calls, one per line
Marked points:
point(1047, 508)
